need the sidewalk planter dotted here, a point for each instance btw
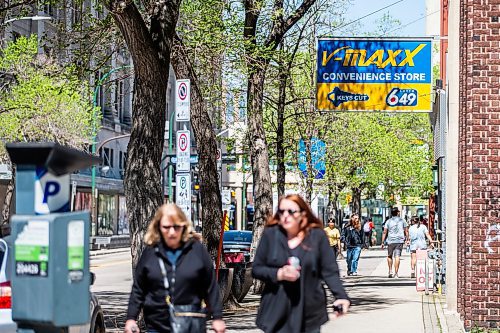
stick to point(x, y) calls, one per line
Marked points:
point(242, 279)
point(225, 282)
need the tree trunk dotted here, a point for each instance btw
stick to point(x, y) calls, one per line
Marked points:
point(332, 204)
point(356, 201)
point(259, 153)
point(280, 131)
point(9, 194)
point(150, 51)
point(207, 151)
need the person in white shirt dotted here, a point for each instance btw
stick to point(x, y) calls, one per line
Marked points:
point(396, 234)
point(419, 234)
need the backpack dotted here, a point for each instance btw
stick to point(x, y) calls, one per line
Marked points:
point(367, 227)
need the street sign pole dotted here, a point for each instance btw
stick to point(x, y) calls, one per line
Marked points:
point(183, 151)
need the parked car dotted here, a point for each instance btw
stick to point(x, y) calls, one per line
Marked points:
point(6, 323)
point(96, 324)
point(236, 245)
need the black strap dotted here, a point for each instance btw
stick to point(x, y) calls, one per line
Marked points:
point(165, 279)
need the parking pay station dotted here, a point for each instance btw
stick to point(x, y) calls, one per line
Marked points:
point(50, 274)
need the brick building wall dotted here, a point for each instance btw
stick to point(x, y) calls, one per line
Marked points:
point(479, 164)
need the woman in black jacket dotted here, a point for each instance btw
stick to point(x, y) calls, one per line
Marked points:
point(293, 258)
point(187, 266)
point(352, 237)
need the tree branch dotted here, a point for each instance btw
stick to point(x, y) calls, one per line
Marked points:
point(15, 5)
point(279, 30)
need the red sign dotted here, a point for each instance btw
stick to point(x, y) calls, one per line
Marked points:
point(182, 92)
point(183, 142)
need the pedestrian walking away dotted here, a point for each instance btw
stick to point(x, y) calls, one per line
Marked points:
point(367, 230)
point(174, 279)
point(396, 234)
point(418, 234)
point(333, 235)
point(352, 237)
point(293, 259)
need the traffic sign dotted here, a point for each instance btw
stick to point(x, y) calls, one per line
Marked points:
point(183, 151)
point(317, 150)
point(219, 159)
point(183, 193)
point(182, 100)
point(193, 159)
point(51, 192)
point(226, 199)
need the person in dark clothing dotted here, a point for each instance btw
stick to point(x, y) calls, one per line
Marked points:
point(352, 237)
point(293, 259)
point(188, 269)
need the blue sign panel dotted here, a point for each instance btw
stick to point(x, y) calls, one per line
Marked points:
point(318, 150)
point(373, 74)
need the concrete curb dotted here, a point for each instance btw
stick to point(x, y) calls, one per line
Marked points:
point(450, 321)
point(95, 253)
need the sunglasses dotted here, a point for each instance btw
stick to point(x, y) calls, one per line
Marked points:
point(175, 226)
point(281, 212)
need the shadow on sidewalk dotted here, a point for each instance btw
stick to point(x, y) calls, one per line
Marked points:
point(377, 282)
point(114, 305)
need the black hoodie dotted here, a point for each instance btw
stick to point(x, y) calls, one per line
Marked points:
point(293, 307)
point(194, 281)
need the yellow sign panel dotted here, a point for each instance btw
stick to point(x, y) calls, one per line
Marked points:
point(378, 94)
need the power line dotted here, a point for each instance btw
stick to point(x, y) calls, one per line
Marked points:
point(404, 26)
point(359, 19)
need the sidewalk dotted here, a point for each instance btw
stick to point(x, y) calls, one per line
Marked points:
point(387, 304)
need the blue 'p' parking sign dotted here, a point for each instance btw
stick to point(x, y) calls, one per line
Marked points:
point(51, 192)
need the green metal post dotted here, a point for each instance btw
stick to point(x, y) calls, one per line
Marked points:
point(94, 139)
point(170, 166)
point(244, 205)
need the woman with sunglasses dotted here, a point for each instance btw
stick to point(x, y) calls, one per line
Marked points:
point(294, 259)
point(186, 276)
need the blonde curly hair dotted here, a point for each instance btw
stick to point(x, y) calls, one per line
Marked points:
point(174, 214)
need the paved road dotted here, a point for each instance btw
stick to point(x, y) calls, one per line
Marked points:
point(379, 303)
point(112, 286)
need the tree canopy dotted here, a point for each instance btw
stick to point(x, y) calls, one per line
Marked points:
point(41, 101)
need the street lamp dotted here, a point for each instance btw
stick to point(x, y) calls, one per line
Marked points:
point(94, 141)
point(32, 18)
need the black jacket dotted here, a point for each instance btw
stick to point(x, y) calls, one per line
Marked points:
point(352, 237)
point(194, 280)
point(300, 306)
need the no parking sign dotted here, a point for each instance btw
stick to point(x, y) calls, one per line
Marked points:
point(183, 151)
point(182, 100)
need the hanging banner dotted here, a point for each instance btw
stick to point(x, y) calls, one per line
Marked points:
point(374, 74)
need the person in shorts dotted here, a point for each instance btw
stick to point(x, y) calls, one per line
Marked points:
point(396, 234)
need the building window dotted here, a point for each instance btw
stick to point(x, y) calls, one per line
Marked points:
point(100, 91)
point(120, 100)
point(229, 109)
point(107, 156)
point(122, 162)
point(76, 12)
point(50, 10)
point(243, 109)
point(15, 35)
point(123, 227)
point(106, 215)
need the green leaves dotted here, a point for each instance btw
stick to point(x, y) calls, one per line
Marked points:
point(44, 102)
